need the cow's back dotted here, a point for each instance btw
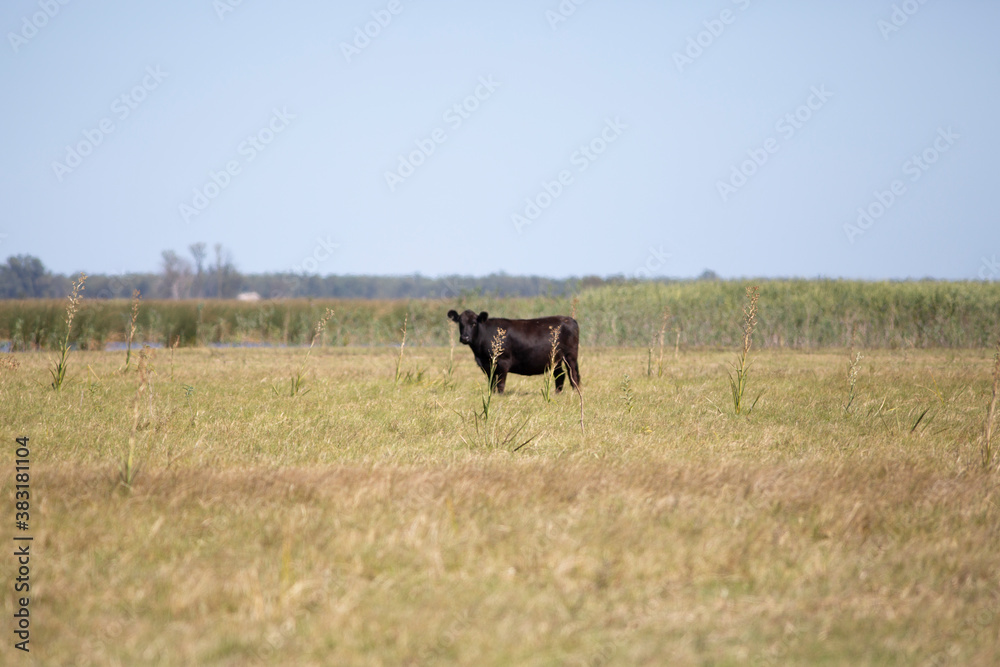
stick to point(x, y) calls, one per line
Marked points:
point(528, 343)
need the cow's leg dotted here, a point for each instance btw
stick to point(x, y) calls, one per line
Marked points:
point(500, 381)
point(560, 374)
point(500, 375)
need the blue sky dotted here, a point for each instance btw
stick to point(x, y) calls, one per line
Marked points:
point(854, 139)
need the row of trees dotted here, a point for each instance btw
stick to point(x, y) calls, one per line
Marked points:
point(206, 275)
point(200, 279)
point(25, 277)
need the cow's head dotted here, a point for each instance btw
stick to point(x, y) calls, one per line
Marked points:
point(467, 323)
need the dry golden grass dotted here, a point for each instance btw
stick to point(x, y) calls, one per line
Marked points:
point(353, 525)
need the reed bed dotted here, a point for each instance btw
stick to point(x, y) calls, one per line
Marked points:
point(800, 314)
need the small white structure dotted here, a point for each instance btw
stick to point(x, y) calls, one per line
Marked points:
point(248, 296)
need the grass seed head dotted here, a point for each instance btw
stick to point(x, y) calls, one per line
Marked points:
point(496, 345)
point(321, 324)
point(74, 301)
point(554, 345)
point(750, 316)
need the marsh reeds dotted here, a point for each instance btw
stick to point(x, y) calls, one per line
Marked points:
point(58, 371)
point(741, 369)
point(801, 314)
point(988, 455)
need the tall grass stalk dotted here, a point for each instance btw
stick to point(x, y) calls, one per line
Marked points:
point(627, 396)
point(738, 383)
point(579, 392)
point(486, 429)
point(550, 370)
point(402, 344)
point(128, 470)
point(852, 378)
point(59, 369)
point(494, 433)
point(658, 340)
point(130, 328)
point(496, 349)
point(298, 379)
point(988, 454)
point(173, 346)
point(449, 371)
point(663, 330)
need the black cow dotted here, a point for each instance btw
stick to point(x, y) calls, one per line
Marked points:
point(526, 347)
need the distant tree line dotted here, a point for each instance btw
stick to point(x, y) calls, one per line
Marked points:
point(206, 275)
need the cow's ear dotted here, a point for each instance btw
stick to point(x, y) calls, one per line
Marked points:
point(453, 316)
point(482, 317)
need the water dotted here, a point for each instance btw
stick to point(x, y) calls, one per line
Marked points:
point(120, 347)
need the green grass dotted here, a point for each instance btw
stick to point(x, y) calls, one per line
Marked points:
point(355, 525)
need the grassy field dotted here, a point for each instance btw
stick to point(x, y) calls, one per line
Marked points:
point(367, 521)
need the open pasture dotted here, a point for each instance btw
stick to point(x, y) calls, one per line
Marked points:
point(365, 519)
